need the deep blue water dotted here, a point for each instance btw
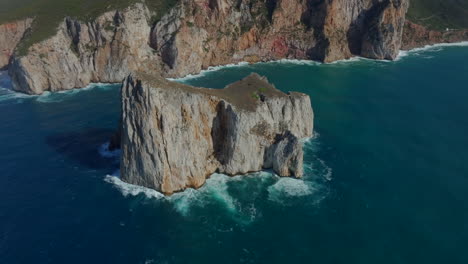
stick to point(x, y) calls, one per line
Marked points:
point(386, 176)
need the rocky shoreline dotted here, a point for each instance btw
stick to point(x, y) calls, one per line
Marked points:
point(195, 35)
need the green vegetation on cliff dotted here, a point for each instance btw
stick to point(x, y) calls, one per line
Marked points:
point(49, 13)
point(435, 14)
point(439, 14)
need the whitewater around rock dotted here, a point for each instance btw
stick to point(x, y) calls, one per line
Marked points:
point(174, 136)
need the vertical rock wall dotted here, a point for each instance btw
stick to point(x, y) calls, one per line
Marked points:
point(174, 136)
point(196, 34)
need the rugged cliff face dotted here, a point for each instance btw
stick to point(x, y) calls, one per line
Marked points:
point(418, 36)
point(174, 136)
point(100, 51)
point(383, 21)
point(10, 35)
point(197, 34)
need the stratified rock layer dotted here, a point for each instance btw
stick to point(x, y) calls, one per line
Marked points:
point(174, 136)
point(196, 34)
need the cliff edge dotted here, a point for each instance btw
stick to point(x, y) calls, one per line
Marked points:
point(196, 34)
point(174, 136)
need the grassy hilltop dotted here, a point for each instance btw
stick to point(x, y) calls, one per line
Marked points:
point(439, 14)
point(436, 14)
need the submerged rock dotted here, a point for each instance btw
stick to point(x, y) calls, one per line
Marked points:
point(174, 136)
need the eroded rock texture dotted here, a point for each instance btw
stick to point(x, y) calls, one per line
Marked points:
point(196, 34)
point(174, 136)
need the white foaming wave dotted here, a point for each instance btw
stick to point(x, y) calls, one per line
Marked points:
point(286, 188)
point(434, 47)
point(317, 169)
point(106, 153)
point(217, 187)
point(132, 190)
point(183, 201)
point(295, 61)
point(214, 187)
point(327, 172)
point(6, 93)
point(312, 143)
point(48, 97)
point(54, 97)
point(103, 86)
point(216, 191)
point(9, 95)
point(350, 60)
point(309, 140)
point(210, 69)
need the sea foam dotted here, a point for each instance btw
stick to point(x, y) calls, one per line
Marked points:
point(217, 193)
point(210, 69)
point(59, 96)
point(218, 189)
point(106, 153)
point(6, 92)
point(434, 47)
point(289, 187)
point(132, 190)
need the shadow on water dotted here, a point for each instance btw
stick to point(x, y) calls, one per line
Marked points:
point(83, 147)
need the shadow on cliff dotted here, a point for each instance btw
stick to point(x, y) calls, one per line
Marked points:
point(222, 133)
point(314, 19)
point(83, 147)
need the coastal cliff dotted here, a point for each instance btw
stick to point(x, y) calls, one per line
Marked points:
point(416, 36)
point(196, 34)
point(174, 136)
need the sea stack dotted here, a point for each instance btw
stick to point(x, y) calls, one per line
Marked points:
point(174, 136)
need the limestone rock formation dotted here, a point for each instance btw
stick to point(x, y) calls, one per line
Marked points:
point(80, 53)
point(196, 34)
point(174, 136)
point(384, 20)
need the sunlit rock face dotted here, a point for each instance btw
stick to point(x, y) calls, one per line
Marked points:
point(174, 136)
point(197, 34)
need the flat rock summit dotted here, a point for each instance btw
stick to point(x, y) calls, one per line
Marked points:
point(173, 136)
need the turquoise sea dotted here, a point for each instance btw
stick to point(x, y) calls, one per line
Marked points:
point(386, 175)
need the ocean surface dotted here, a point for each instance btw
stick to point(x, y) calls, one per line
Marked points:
point(386, 175)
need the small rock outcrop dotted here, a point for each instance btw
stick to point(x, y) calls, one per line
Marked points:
point(196, 34)
point(174, 136)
